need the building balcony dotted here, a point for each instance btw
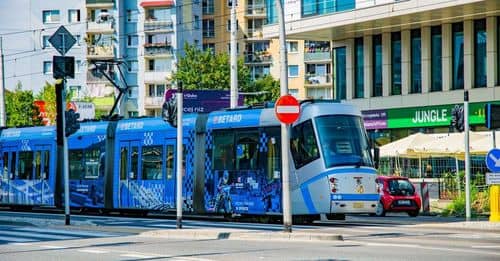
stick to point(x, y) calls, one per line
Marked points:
point(156, 76)
point(100, 52)
point(254, 33)
point(100, 3)
point(100, 27)
point(158, 50)
point(317, 56)
point(317, 80)
point(256, 11)
point(153, 102)
point(158, 26)
point(258, 57)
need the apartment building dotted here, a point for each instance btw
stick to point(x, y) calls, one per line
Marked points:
point(405, 63)
point(25, 28)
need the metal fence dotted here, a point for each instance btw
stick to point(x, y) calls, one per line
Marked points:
point(442, 169)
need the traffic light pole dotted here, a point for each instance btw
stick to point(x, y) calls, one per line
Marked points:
point(62, 143)
point(180, 155)
point(467, 156)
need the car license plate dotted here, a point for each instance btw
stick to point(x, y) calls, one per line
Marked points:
point(358, 205)
point(404, 202)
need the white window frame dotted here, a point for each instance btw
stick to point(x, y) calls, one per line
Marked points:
point(130, 42)
point(46, 20)
point(289, 44)
point(298, 71)
point(78, 17)
point(49, 71)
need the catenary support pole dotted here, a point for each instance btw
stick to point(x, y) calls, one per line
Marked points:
point(467, 156)
point(180, 155)
point(234, 57)
point(285, 137)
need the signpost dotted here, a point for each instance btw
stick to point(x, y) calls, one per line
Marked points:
point(62, 41)
point(493, 179)
point(287, 110)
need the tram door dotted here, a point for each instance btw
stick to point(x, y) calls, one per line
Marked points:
point(41, 175)
point(170, 167)
point(9, 159)
point(129, 172)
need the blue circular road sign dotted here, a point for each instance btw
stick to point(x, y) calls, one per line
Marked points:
point(493, 160)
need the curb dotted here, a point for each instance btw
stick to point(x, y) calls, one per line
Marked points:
point(217, 235)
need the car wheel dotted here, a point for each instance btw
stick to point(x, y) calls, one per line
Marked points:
point(379, 210)
point(413, 213)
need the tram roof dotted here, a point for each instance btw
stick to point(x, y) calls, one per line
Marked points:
point(39, 132)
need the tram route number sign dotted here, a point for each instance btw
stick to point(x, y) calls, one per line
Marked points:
point(492, 178)
point(287, 109)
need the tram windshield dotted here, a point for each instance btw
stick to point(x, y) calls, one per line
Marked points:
point(343, 141)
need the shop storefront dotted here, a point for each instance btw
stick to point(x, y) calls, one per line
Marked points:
point(387, 125)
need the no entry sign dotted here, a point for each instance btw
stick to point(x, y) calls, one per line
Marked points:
point(287, 109)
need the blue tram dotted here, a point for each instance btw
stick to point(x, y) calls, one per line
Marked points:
point(28, 162)
point(232, 163)
point(86, 157)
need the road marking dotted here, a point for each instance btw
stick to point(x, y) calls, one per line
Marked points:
point(53, 247)
point(92, 251)
point(16, 239)
point(486, 246)
point(137, 256)
point(35, 235)
point(21, 244)
point(478, 251)
point(67, 232)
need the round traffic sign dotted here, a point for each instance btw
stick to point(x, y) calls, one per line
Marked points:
point(287, 109)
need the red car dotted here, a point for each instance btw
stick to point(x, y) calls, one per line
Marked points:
point(397, 194)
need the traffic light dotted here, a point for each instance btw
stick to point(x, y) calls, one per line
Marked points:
point(72, 124)
point(457, 117)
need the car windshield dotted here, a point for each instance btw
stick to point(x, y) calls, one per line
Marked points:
point(400, 187)
point(343, 141)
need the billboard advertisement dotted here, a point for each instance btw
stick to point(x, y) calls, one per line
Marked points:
point(204, 100)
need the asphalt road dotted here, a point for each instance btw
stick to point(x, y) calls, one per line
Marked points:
point(119, 238)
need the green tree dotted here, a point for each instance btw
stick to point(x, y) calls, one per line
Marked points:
point(262, 90)
point(48, 95)
point(20, 108)
point(202, 70)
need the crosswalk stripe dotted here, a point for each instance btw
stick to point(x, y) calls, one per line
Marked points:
point(16, 239)
point(34, 235)
point(53, 247)
point(137, 256)
point(66, 232)
point(92, 251)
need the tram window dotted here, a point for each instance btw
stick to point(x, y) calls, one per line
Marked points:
point(45, 158)
point(91, 159)
point(6, 165)
point(123, 163)
point(170, 161)
point(303, 144)
point(152, 163)
point(38, 164)
point(134, 166)
point(273, 159)
point(75, 164)
point(223, 151)
point(247, 150)
point(25, 165)
point(13, 166)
